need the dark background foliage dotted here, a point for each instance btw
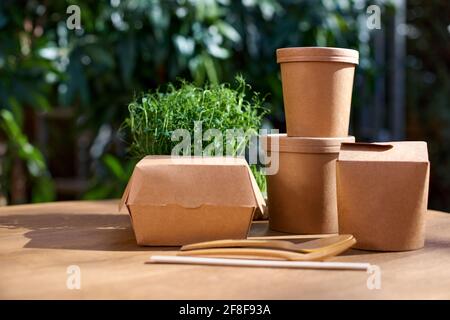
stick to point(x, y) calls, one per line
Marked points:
point(64, 93)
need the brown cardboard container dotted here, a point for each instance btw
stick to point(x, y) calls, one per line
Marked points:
point(302, 194)
point(317, 90)
point(382, 194)
point(191, 199)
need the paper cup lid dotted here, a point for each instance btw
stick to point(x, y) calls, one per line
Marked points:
point(324, 54)
point(306, 144)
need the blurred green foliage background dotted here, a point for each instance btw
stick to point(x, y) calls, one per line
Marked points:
point(64, 93)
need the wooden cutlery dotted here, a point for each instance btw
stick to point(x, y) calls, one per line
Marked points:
point(315, 250)
point(304, 247)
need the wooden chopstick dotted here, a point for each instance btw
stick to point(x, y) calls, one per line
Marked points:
point(260, 263)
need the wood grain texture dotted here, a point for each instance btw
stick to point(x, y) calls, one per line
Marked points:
point(39, 242)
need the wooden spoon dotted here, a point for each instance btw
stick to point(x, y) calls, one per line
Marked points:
point(317, 255)
point(304, 247)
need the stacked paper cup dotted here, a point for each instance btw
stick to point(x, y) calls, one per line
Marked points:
point(317, 89)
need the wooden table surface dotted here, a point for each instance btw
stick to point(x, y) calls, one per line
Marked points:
point(39, 242)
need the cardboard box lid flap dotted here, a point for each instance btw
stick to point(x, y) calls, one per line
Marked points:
point(124, 198)
point(261, 203)
point(399, 151)
point(192, 182)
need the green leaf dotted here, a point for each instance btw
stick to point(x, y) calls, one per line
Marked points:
point(218, 51)
point(210, 68)
point(102, 191)
point(43, 187)
point(41, 102)
point(114, 165)
point(228, 31)
point(27, 152)
point(43, 190)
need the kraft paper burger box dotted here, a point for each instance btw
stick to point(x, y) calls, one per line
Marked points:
point(176, 201)
point(382, 191)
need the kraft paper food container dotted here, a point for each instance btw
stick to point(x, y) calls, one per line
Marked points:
point(382, 194)
point(191, 199)
point(302, 194)
point(317, 90)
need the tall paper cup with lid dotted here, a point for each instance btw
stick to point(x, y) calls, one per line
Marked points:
point(302, 194)
point(317, 90)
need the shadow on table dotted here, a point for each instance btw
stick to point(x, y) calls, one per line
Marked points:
point(105, 232)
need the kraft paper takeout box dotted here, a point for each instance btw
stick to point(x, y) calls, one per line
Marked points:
point(302, 194)
point(317, 90)
point(176, 201)
point(382, 194)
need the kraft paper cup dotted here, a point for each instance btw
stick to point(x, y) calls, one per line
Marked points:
point(302, 194)
point(317, 90)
